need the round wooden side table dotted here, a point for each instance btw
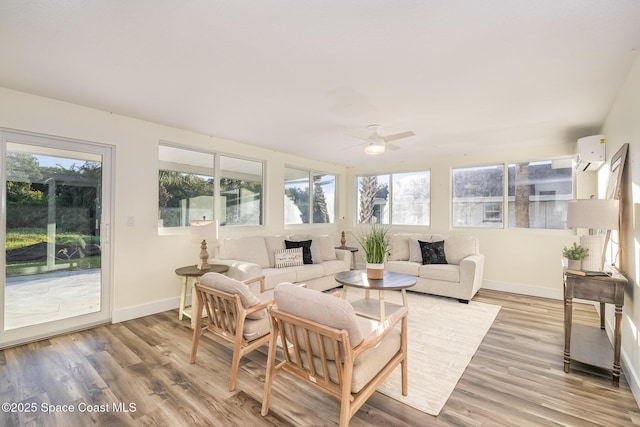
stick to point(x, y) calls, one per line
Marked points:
point(189, 272)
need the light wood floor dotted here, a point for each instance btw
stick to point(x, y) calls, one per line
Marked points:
point(515, 379)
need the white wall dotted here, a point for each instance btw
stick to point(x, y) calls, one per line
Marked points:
point(525, 261)
point(144, 262)
point(623, 126)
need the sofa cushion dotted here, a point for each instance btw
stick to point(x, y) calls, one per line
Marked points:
point(459, 247)
point(433, 252)
point(273, 244)
point(445, 272)
point(275, 276)
point(404, 267)
point(306, 249)
point(415, 253)
point(327, 247)
point(308, 272)
point(332, 267)
point(248, 249)
point(232, 286)
point(288, 257)
point(398, 247)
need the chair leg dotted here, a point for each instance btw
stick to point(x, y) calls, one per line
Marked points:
point(235, 367)
point(196, 333)
point(268, 379)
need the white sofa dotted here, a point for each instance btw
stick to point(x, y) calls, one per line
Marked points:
point(254, 256)
point(460, 277)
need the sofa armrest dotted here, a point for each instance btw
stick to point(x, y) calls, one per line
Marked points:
point(472, 270)
point(240, 270)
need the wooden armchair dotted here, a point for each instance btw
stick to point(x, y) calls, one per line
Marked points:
point(328, 347)
point(234, 314)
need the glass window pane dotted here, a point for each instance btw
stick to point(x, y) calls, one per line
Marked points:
point(538, 194)
point(324, 189)
point(185, 186)
point(411, 195)
point(477, 197)
point(240, 191)
point(296, 190)
point(373, 199)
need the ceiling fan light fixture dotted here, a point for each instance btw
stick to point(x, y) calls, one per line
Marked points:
point(374, 149)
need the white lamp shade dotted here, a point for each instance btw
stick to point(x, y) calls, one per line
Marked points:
point(343, 225)
point(593, 214)
point(204, 230)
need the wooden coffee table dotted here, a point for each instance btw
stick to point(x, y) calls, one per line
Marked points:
point(367, 307)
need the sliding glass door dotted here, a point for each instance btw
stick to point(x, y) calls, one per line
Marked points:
point(55, 208)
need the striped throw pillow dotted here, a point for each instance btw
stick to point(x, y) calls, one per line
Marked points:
point(288, 257)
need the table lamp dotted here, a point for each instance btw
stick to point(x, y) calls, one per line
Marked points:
point(596, 215)
point(201, 231)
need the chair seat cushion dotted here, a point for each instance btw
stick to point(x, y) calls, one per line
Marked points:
point(367, 365)
point(256, 328)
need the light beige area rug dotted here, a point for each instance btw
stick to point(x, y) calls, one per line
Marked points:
point(443, 336)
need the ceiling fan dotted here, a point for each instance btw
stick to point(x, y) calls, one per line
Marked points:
point(376, 143)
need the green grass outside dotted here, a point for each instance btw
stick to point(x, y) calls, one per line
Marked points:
point(22, 237)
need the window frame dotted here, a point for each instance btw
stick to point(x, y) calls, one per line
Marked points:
point(507, 199)
point(310, 175)
point(390, 196)
point(217, 172)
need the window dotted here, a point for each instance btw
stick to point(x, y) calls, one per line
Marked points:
point(477, 197)
point(411, 198)
point(240, 191)
point(298, 197)
point(402, 198)
point(185, 186)
point(538, 194)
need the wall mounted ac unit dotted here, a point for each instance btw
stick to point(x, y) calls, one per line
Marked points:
point(591, 153)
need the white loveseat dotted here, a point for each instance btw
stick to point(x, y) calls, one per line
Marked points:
point(254, 256)
point(460, 277)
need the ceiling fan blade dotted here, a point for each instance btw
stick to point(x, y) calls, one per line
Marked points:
point(400, 135)
point(391, 147)
point(349, 147)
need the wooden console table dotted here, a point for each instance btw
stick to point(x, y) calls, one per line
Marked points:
point(606, 289)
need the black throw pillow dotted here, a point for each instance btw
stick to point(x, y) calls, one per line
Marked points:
point(306, 249)
point(433, 252)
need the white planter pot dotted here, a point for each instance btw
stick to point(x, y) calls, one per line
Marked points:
point(375, 271)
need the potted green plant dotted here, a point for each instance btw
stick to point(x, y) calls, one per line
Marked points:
point(575, 254)
point(375, 244)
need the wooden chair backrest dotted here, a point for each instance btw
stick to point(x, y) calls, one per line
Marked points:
point(305, 339)
point(224, 311)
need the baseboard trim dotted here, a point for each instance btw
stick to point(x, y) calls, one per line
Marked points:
point(625, 364)
point(515, 288)
point(142, 310)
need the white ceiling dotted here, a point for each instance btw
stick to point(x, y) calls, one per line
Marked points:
point(301, 76)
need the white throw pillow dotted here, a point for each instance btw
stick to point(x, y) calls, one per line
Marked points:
point(399, 247)
point(415, 253)
point(288, 257)
point(327, 247)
